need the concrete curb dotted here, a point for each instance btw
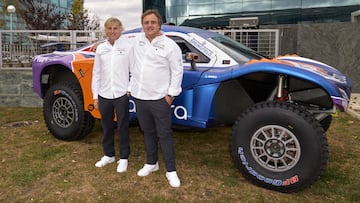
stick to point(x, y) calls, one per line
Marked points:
point(354, 108)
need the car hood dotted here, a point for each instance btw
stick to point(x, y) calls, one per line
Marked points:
point(317, 67)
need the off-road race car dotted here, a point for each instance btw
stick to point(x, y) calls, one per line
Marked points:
point(279, 108)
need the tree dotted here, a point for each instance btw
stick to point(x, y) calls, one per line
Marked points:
point(41, 15)
point(2, 18)
point(94, 22)
point(79, 18)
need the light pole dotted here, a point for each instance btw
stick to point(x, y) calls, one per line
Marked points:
point(11, 9)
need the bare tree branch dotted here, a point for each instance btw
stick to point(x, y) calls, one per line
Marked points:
point(41, 15)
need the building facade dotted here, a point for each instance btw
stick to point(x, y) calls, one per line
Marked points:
point(19, 24)
point(217, 13)
point(155, 4)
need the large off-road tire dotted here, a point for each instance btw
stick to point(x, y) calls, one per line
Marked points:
point(90, 120)
point(326, 122)
point(279, 146)
point(64, 112)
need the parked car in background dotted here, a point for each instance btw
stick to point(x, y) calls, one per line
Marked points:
point(279, 108)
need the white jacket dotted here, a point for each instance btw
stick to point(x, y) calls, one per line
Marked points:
point(158, 68)
point(111, 69)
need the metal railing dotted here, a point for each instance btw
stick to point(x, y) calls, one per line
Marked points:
point(264, 41)
point(26, 44)
point(18, 47)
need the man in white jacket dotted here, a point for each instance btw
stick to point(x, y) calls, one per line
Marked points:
point(110, 83)
point(155, 81)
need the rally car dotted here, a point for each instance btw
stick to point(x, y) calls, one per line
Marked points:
point(279, 108)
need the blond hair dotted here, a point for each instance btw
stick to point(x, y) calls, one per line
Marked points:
point(113, 20)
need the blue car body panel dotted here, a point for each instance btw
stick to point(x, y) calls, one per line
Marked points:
point(195, 105)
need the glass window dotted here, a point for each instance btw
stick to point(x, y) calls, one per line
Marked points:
point(191, 2)
point(176, 11)
point(187, 47)
point(236, 50)
point(285, 4)
point(316, 3)
point(202, 10)
point(256, 5)
point(271, 11)
point(171, 20)
point(181, 2)
point(176, 2)
point(227, 1)
point(169, 12)
point(55, 2)
point(64, 4)
point(170, 2)
point(346, 2)
point(228, 8)
point(180, 20)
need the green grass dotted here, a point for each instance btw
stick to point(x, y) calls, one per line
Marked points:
point(35, 167)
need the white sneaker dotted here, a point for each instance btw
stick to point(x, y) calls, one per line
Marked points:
point(122, 167)
point(147, 169)
point(105, 160)
point(173, 179)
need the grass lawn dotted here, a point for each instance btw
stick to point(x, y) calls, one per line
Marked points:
point(35, 167)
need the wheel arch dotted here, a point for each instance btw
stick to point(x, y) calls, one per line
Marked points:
point(237, 94)
point(278, 68)
point(54, 74)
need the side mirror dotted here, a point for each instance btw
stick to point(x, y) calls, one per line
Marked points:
point(192, 58)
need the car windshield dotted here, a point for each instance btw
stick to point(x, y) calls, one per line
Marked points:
point(236, 50)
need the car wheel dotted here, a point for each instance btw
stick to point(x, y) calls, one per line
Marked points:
point(90, 123)
point(279, 146)
point(64, 112)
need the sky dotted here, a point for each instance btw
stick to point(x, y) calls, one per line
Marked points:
point(128, 11)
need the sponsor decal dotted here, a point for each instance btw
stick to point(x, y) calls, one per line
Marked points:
point(211, 76)
point(121, 51)
point(159, 46)
point(56, 92)
point(132, 106)
point(47, 57)
point(201, 47)
point(275, 182)
point(180, 112)
point(41, 59)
